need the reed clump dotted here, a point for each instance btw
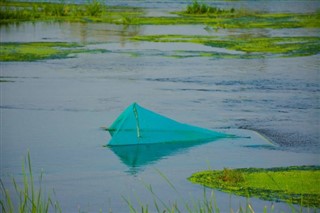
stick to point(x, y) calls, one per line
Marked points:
point(197, 8)
point(30, 198)
point(26, 11)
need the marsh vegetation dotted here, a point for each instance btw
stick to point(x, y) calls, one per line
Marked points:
point(12, 10)
point(32, 51)
point(84, 87)
point(294, 185)
point(201, 8)
point(92, 11)
point(196, 13)
point(256, 46)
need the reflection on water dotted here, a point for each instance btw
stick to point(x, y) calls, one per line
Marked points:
point(67, 32)
point(137, 157)
point(89, 32)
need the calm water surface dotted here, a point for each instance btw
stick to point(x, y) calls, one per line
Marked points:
point(54, 108)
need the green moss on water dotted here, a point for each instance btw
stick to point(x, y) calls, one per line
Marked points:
point(255, 46)
point(296, 185)
point(33, 51)
point(231, 47)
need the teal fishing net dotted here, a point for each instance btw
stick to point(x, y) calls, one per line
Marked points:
point(137, 125)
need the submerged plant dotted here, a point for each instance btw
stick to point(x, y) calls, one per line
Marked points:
point(30, 197)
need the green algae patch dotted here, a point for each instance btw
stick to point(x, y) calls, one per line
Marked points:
point(254, 46)
point(294, 185)
point(33, 51)
point(266, 20)
point(282, 46)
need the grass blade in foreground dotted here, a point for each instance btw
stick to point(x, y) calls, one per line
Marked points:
point(29, 198)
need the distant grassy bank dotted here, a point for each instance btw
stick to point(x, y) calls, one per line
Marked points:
point(245, 46)
point(294, 185)
point(97, 11)
point(92, 11)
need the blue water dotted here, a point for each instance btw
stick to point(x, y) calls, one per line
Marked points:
point(55, 108)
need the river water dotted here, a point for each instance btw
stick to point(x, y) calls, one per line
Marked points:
point(55, 108)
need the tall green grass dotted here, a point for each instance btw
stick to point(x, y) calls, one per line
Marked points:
point(197, 8)
point(205, 204)
point(24, 11)
point(30, 197)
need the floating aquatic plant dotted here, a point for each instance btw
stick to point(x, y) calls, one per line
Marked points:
point(255, 46)
point(296, 185)
point(32, 51)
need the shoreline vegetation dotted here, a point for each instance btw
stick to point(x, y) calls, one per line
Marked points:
point(196, 13)
point(212, 18)
point(292, 185)
point(29, 196)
